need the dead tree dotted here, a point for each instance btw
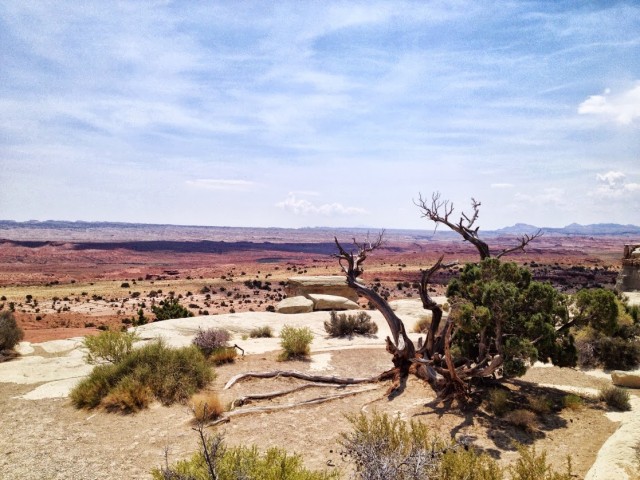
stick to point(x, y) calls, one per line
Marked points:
point(440, 211)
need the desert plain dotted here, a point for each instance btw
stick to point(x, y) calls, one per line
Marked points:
point(68, 281)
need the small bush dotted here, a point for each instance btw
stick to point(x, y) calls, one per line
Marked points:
point(170, 375)
point(573, 402)
point(498, 401)
point(109, 346)
point(295, 342)
point(531, 466)
point(466, 464)
point(10, 332)
point(422, 325)
point(206, 406)
point(261, 332)
point(524, 419)
point(540, 405)
point(211, 339)
point(343, 325)
point(169, 309)
point(615, 397)
point(232, 463)
point(387, 447)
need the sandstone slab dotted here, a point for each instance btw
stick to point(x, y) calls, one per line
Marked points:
point(322, 284)
point(626, 379)
point(298, 304)
point(332, 302)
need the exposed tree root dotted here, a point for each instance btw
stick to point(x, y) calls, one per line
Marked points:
point(303, 376)
point(273, 408)
point(238, 402)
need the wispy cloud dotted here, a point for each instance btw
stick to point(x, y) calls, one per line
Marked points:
point(502, 185)
point(220, 184)
point(304, 207)
point(622, 107)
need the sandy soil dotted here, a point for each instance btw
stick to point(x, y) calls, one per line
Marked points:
point(48, 438)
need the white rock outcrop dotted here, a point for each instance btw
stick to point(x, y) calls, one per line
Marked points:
point(332, 302)
point(626, 379)
point(297, 304)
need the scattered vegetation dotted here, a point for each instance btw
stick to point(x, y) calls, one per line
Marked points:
point(109, 346)
point(295, 342)
point(384, 447)
point(151, 371)
point(344, 325)
point(615, 397)
point(261, 332)
point(10, 334)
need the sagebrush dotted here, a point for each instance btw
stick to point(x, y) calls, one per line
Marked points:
point(10, 332)
point(347, 325)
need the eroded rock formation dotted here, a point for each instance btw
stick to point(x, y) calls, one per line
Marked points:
point(629, 277)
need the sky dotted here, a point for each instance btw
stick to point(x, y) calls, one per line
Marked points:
point(319, 113)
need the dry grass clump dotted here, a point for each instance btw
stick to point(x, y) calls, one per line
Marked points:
point(522, 418)
point(295, 342)
point(422, 325)
point(206, 406)
point(261, 332)
point(343, 325)
point(616, 398)
point(540, 405)
point(498, 401)
point(223, 355)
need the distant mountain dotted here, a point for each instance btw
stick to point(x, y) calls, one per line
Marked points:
point(573, 229)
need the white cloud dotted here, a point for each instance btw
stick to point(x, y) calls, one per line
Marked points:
point(220, 184)
point(546, 196)
point(614, 185)
point(622, 108)
point(502, 185)
point(305, 207)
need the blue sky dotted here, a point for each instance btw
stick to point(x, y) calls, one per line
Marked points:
point(305, 113)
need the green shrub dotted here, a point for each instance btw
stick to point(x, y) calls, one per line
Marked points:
point(169, 309)
point(10, 332)
point(615, 397)
point(343, 325)
point(261, 332)
point(573, 402)
point(170, 375)
point(295, 342)
point(109, 346)
point(531, 466)
point(467, 464)
point(618, 354)
point(234, 463)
